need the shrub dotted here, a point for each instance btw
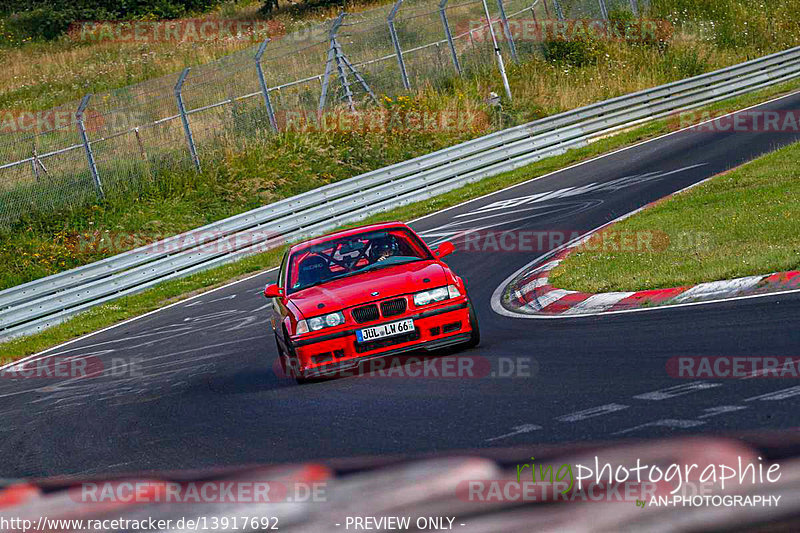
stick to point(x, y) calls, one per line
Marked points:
point(47, 19)
point(577, 52)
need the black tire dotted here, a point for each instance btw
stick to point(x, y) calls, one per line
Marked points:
point(289, 363)
point(475, 335)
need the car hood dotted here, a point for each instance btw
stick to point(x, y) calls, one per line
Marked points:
point(358, 289)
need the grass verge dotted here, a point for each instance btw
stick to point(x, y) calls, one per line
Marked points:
point(176, 290)
point(741, 223)
point(244, 167)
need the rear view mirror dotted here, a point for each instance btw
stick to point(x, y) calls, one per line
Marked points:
point(446, 248)
point(273, 291)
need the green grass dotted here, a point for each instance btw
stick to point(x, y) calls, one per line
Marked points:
point(175, 290)
point(744, 222)
point(252, 170)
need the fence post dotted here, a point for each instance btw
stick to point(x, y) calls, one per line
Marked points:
point(98, 185)
point(559, 11)
point(187, 130)
point(396, 42)
point(499, 56)
point(449, 35)
point(264, 90)
point(635, 8)
point(603, 9)
point(507, 30)
point(332, 31)
point(34, 160)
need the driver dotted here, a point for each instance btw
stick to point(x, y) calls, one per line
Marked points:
point(381, 248)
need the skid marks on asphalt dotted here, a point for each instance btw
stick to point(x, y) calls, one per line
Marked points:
point(130, 369)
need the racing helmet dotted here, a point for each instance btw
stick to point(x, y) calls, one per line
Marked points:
point(382, 247)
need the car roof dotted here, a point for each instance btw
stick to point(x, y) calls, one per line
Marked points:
point(348, 233)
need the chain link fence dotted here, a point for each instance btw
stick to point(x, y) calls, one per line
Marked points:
point(111, 144)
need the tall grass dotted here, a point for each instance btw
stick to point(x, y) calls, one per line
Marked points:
point(244, 171)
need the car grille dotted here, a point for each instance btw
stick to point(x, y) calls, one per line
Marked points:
point(393, 307)
point(366, 313)
point(388, 341)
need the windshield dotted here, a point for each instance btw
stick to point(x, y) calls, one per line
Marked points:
point(351, 255)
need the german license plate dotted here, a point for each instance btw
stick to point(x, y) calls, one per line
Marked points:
point(385, 330)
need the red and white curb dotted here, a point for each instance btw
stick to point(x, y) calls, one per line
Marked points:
point(532, 293)
point(528, 293)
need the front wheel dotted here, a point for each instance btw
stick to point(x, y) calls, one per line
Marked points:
point(289, 362)
point(475, 334)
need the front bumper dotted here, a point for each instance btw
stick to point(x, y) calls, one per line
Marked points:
point(435, 328)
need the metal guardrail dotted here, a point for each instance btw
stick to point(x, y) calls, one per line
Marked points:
point(39, 304)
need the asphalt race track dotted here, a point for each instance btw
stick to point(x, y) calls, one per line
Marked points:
point(193, 386)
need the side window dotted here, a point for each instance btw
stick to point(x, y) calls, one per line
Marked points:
point(282, 270)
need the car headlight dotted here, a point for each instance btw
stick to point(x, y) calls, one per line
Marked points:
point(319, 322)
point(436, 295)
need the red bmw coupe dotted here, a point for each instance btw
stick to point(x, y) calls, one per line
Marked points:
point(363, 293)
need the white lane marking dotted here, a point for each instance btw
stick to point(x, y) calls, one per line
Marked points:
point(472, 200)
point(719, 288)
point(671, 423)
point(556, 211)
point(677, 390)
point(591, 413)
point(721, 410)
point(603, 156)
point(777, 395)
point(598, 302)
point(203, 302)
point(543, 301)
point(518, 430)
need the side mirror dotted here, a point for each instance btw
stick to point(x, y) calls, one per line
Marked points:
point(273, 291)
point(446, 248)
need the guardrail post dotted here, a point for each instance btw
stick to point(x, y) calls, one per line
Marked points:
point(497, 53)
point(264, 90)
point(507, 30)
point(603, 9)
point(396, 42)
point(559, 11)
point(635, 8)
point(98, 185)
point(449, 35)
point(187, 130)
